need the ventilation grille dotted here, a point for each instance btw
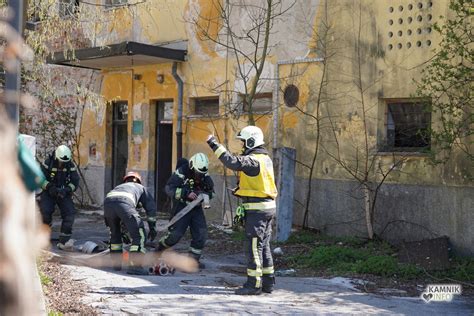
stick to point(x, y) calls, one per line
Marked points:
point(409, 25)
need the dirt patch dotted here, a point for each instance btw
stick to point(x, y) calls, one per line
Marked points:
point(63, 294)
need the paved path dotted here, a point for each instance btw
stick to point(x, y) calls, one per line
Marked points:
point(210, 291)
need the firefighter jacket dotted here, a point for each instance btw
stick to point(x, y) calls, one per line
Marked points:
point(62, 175)
point(184, 181)
point(135, 195)
point(256, 179)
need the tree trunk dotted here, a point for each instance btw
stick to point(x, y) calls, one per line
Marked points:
point(368, 212)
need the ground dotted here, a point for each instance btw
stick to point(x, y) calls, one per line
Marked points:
point(102, 290)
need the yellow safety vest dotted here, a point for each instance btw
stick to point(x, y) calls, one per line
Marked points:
point(263, 184)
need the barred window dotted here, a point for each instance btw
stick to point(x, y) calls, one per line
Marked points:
point(205, 106)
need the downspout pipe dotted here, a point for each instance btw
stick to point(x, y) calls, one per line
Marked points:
point(179, 128)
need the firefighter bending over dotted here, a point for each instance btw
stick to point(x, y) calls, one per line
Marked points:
point(257, 191)
point(120, 206)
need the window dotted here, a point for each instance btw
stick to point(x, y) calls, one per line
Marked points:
point(262, 103)
point(68, 8)
point(115, 3)
point(205, 106)
point(407, 126)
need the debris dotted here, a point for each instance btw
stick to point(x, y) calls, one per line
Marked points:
point(431, 254)
point(278, 251)
point(287, 272)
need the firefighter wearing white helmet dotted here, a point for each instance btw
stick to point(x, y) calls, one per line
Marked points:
point(62, 179)
point(257, 191)
point(185, 184)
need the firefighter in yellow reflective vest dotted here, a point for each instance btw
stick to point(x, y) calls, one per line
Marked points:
point(257, 191)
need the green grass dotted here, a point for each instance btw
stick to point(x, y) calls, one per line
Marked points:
point(348, 256)
point(350, 260)
point(45, 280)
point(238, 235)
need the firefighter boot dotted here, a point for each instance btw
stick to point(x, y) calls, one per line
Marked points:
point(197, 258)
point(135, 264)
point(248, 289)
point(268, 283)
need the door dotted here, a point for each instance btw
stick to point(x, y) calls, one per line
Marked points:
point(164, 152)
point(119, 141)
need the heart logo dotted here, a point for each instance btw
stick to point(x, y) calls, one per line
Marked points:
point(426, 297)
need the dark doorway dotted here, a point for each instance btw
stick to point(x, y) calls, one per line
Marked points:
point(119, 141)
point(164, 151)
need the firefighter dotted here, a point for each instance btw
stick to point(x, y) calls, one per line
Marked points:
point(62, 179)
point(120, 206)
point(257, 191)
point(184, 186)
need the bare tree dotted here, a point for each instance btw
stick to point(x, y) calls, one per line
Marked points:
point(243, 29)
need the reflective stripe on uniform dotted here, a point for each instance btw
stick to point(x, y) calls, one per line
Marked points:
point(142, 240)
point(268, 270)
point(254, 273)
point(72, 186)
point(122, 194)
point(45, 184)
point(258, 266)
point(195, 251)
point(220, 150)
point(115, 247)
point(179, 174)
point(134, 248)
point(151, 219)
point(177, 193)
point(259, 205)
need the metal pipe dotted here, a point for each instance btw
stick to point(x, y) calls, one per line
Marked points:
point(13, 77)
point(179, 128)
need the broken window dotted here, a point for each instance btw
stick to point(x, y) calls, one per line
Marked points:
point(262, 103)
point(407, 126)
point(206, 106)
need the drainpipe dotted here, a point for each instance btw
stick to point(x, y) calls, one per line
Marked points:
point(276, 93)
point(179, 128)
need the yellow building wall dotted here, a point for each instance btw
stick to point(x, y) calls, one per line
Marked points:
point(383, 73)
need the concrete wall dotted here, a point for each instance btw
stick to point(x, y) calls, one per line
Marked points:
point(404, 212)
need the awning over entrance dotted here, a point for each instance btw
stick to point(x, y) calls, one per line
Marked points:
point(126, 54)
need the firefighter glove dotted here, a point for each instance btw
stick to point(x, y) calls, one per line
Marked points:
point(212, 142)
point(192, 196)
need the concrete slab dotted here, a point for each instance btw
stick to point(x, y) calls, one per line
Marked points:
point(210, 291)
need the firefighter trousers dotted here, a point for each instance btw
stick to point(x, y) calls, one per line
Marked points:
point(196, 221)
point(66, 207)
point(119, 211)
point(258, 232)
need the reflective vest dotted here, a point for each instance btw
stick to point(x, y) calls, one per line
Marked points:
point(263, 184)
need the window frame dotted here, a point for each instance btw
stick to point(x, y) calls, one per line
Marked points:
point(386, 145)
point(193, 106)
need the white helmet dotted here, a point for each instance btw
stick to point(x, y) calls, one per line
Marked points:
point(63, 153)
point(252, 136)
point(199, 163)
